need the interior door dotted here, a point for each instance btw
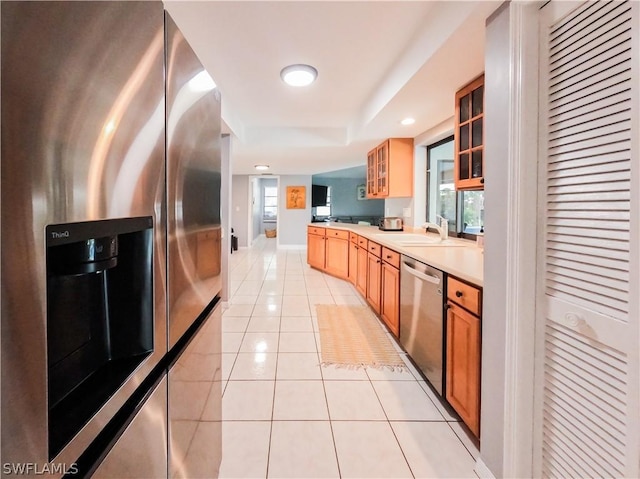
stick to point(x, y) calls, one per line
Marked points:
point(588, 204)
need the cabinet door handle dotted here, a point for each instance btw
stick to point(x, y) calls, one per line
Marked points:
point(377, 261)
point(458, 294)
point(482, 181)
point(388, 256)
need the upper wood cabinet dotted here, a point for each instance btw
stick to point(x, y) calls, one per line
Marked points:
point(390, 169)
point(469, 136)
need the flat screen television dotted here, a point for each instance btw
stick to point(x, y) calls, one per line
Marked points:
point(318, 195)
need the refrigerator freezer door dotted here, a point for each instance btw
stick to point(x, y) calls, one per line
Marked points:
point(141, 451)
point(193, 184)
point(195, 404)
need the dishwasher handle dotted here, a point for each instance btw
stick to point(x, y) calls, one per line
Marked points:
point(420, 275)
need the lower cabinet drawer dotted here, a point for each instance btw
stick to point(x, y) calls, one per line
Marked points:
point(374, 248)
point(314, 230)
point(466, 295)
point(342, 234)
point(391, 257)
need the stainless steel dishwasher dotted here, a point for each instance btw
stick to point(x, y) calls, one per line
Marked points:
point(422, 318)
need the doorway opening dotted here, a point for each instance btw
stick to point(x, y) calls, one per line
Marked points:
point(265, 205)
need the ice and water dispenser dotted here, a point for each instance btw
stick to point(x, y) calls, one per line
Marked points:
point(99, 316)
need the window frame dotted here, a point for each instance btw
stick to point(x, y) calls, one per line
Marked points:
point(455, 229)
point(266, 218)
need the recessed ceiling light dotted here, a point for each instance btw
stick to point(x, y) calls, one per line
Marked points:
point(262, 167)
point(298, 75)
point(408, 121)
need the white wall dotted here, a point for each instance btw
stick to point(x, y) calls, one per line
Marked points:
point(418, 204)
point(292, 223)
point(344, 200)
point(240, 208)
point(509, 303)
point(397, 206)
point(494, 302)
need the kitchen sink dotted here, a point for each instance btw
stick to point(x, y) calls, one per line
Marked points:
point(402, 239)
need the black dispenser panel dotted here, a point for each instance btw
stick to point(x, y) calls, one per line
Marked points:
point(99, 316)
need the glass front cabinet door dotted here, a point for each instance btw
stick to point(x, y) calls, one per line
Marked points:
point(469, 136)
point(372, 189)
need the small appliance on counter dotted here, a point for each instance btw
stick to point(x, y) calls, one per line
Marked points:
point(391, 223)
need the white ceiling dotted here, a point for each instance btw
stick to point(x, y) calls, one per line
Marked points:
point(378, 62)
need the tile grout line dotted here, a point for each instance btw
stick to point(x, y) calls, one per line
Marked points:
point(458, 438)
point(388, 421)
point(273, 400)
point(326, 399)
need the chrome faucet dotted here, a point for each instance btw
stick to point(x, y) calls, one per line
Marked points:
point(442, 228)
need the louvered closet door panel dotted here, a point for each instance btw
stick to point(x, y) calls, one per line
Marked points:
point(589, 81)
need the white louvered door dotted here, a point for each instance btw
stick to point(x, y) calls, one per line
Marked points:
point(588, 320)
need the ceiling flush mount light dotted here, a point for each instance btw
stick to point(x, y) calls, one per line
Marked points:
point(261, 167)
point(298, 75)
point(408, 121)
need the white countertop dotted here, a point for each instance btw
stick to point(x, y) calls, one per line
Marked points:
point(465, 262)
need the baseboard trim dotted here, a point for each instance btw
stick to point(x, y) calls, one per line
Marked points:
point(482, 470)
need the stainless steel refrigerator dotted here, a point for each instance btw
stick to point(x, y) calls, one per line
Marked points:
point(110, 180)
point(194, 263)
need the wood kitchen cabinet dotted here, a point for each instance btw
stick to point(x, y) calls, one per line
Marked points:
point(353, 258)
point(390, 293)
point(463, 351)
point(372, 268)
point(361, 276)
point(469, 136)
point(390, 169)
point(337, 253)
point(316, 247)
point(371, 174)
point(374, 275)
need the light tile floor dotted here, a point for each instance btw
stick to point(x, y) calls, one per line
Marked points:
point(285, 416)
